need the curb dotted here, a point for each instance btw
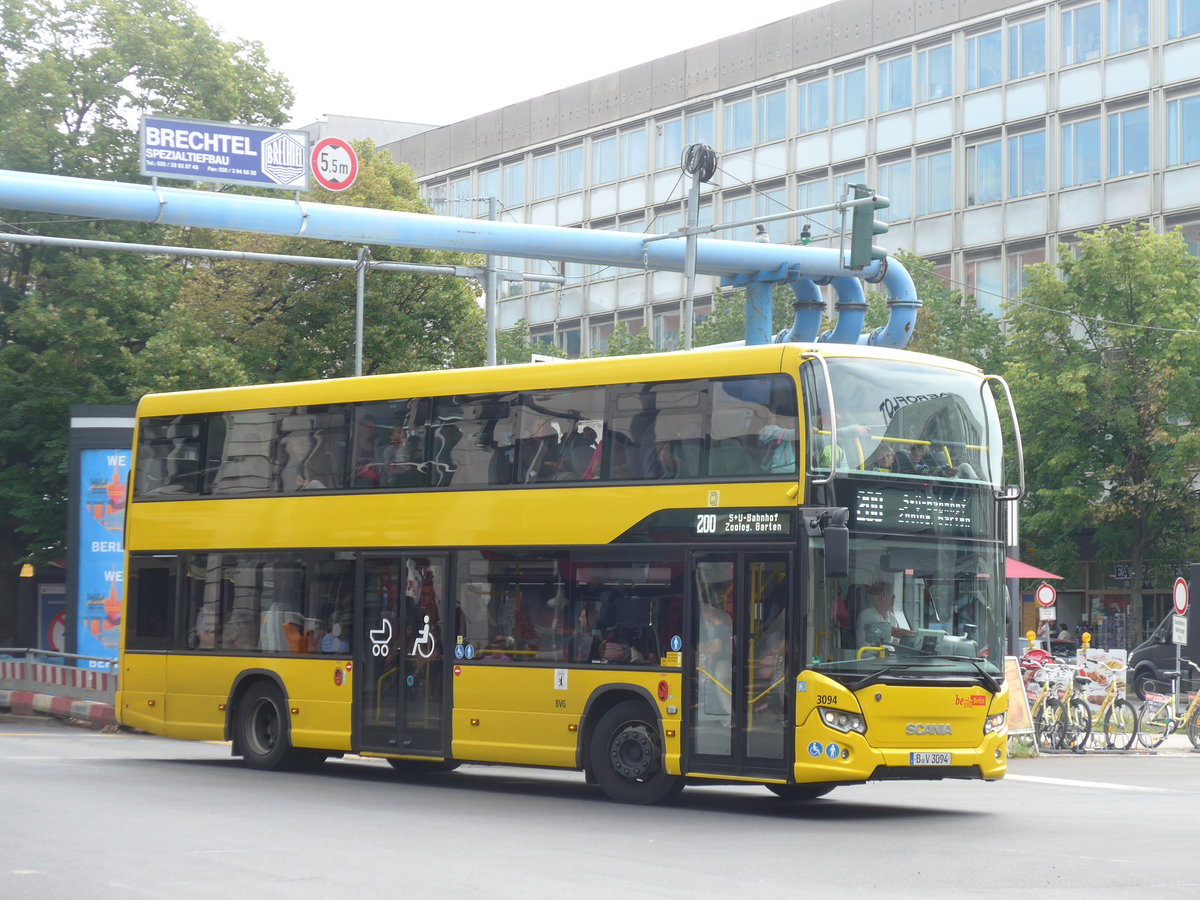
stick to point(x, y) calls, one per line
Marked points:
point(28, 703)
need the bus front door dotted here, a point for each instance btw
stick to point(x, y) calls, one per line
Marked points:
point(401, 677)
point(740, 704)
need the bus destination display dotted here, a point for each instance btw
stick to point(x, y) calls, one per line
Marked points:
point(746, 523)
point(912, 510)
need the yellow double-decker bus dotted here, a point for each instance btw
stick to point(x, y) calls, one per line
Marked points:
point(777, 565)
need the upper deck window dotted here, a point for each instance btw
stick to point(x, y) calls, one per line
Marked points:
point(905, 420)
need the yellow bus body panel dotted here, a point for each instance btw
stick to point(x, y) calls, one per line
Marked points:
point(431, 518)
point(511, 715)
point(141, 699)
point(200, 688)
point(900, 720)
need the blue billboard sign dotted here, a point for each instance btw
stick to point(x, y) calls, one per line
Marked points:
point(195, 150)
point(104, 475)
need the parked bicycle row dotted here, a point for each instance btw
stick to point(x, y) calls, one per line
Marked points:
point(1073, 707)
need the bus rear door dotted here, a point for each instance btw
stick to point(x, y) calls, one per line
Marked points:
point(400, 674)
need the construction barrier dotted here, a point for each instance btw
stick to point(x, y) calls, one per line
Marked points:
point(38, 682)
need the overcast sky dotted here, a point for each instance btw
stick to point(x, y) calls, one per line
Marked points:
point(437, 64)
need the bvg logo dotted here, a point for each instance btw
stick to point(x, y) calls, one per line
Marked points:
point(972, 700)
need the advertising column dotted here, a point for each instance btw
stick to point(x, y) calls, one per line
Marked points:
point(100, 459)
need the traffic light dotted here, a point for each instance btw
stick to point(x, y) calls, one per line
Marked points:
point(864, 226)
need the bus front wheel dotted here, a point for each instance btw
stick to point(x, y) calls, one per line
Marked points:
point(626, 756)
point(263, 729)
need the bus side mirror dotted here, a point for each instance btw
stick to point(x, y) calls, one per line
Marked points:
point(837, 544)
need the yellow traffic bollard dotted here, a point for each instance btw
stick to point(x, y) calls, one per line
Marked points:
point(1086, 638)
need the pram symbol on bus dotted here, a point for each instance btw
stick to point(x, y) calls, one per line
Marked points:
point(381, 639)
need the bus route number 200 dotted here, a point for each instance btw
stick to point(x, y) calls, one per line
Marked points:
point(706, 523)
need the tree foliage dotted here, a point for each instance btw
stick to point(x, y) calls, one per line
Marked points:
point(98, 327)
point(1102, 358)
point(949, 324)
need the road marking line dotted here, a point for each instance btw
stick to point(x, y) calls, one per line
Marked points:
point(1071, 782)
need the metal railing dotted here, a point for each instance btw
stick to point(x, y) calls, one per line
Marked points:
point(58, 674)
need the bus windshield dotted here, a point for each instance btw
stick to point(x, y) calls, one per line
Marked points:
point(906, 420)
point(916, 604)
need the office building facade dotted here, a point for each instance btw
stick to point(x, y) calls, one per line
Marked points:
point(997, 129)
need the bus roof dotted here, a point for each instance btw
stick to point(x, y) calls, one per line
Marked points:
point(700, 363)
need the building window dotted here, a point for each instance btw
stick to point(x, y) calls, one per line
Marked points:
point(604, 160)
point(737, 209)
point(666, 222)
point(849, 96)
point(545, 176)
point(666, 328)
point(812, 105)
point(935, 73)
point(1018, 279)
point(489, 186)
point(567, 340)
point(808, 195)
point(1128, 25)
point(1027, 164)
point(1183, 18)
point(1191, 235)
point(599, 334)
point(1080, 34)
point(895, 83)
point(935, 183)
point(700, 127)
point(768, 203)
point(633, 152)
point(570, 169)
point(1080, 152)
point(1027, 48)
point(985, 281)
point(895, 183)
point(668, 148)
point(739, 124)
point(460, 197)
point(514, 184)
point(983, 59)
point(1129, 142)
point(983, 173)
point(1183, 130)
point(772, 116)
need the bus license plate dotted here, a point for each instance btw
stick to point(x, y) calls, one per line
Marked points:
point(929, 759)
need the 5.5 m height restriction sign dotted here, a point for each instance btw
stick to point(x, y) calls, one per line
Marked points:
point(334, 164)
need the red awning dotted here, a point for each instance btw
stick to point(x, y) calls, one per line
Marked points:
point(1014, 568)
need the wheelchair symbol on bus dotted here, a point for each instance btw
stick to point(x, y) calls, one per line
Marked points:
point(381, 638)
point(424, 643)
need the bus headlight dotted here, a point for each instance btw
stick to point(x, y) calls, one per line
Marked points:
point(994, 723)
point(840, 720)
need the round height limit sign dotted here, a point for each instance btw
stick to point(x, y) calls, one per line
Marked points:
point(334, 164)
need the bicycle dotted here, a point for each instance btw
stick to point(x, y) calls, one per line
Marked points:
point(1077, 721)
point(1158, 715)
point(1048, 713)
point(1115, 723)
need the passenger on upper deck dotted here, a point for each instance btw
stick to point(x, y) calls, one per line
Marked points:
point(779, 446)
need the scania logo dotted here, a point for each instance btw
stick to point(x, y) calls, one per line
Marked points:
point(927, 728)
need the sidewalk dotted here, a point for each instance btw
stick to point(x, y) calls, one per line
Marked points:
point(28, 703)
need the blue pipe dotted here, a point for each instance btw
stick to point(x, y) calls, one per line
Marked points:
point(808, 306)
point(268, 215)
point(851, 310)
point(902, 308)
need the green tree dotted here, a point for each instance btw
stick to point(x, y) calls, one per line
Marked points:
point(727, 321)
point(74, 77)
point(1103, 361)
point(622, 343)
point(516, 346)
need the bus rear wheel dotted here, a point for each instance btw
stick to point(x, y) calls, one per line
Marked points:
point(626, 756)
point(263, 735)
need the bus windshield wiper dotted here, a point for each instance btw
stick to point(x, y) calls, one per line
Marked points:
point(989, 679)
